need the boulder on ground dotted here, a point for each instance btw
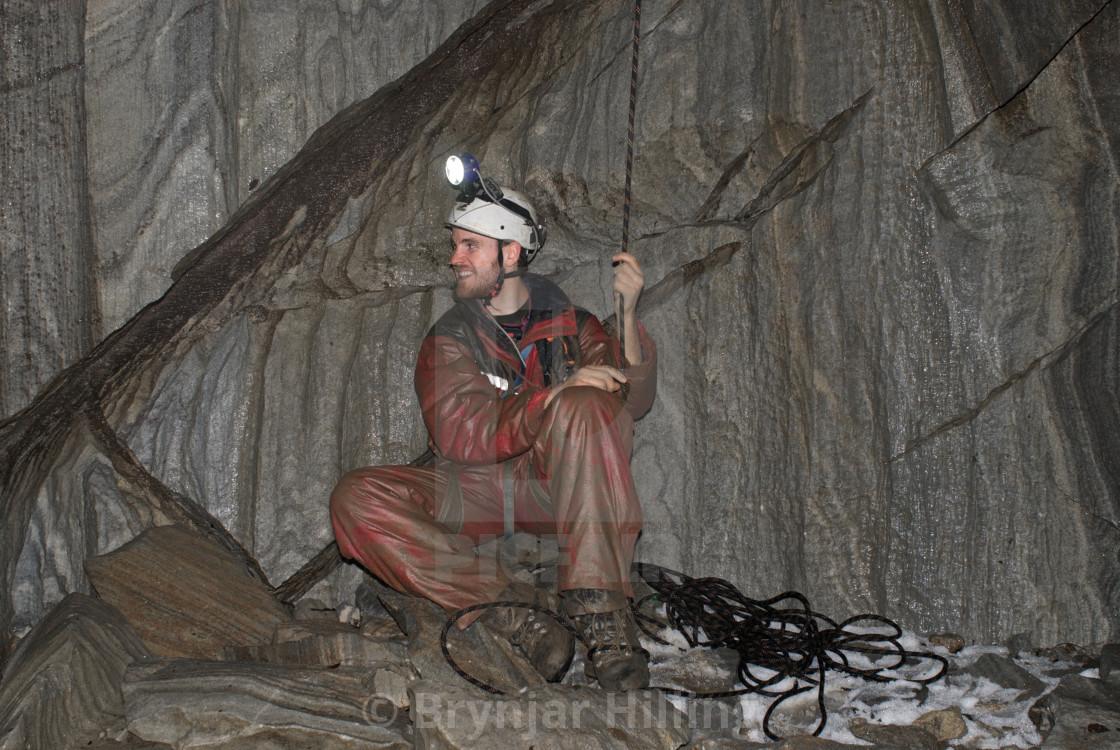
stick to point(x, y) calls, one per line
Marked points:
point(553, 717)
point(185, 595)
point(1006, 673)
point(325, 643)
point(889, 735)
point(192, 703)
point(62, 687)
point(1080, 712)
point(698, 670)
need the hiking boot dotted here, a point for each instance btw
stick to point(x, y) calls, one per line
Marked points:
point(615, 656)
point(543, 640)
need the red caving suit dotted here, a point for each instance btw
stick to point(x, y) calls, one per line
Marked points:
point(504, 460)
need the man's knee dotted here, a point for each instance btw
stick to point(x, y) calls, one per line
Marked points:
point(345, 493)
point(357, 492)
point(589, 403)
point(361, 504)
point(588, 412)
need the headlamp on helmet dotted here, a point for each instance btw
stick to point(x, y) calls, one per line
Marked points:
point(492, 211)
point(462, 172)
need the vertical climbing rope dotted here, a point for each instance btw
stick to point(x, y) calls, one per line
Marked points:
point(629, 173)
point(630, 128)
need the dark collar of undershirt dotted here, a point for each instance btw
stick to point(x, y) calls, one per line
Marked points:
point(515, 323)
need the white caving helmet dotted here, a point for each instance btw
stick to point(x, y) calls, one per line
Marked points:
point(502, 214)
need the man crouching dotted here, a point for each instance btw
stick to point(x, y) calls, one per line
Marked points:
point(532, 429)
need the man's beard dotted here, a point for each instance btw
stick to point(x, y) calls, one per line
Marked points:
point(480, 285)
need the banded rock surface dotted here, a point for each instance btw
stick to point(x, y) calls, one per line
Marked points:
point(62, 688)
point(889, 372)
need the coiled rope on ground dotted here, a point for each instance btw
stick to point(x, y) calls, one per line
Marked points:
point(784, 651)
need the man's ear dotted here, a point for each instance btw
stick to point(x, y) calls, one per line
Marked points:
point(511, 254)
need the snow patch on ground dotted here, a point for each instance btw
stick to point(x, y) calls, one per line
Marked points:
point(995, 716)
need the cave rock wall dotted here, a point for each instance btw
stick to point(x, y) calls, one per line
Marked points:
point(888, 330)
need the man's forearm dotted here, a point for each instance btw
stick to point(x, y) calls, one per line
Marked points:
point(632, 337)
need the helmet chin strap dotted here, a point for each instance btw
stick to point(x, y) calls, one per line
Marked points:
point(503, 274)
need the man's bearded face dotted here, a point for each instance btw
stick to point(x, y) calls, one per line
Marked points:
point(474, 259)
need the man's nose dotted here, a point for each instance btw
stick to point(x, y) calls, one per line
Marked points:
point(457, 256)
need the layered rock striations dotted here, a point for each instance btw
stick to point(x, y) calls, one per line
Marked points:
point(888, 234)
point(49, 282)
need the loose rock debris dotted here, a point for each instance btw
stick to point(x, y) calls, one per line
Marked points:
point(369, 673)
